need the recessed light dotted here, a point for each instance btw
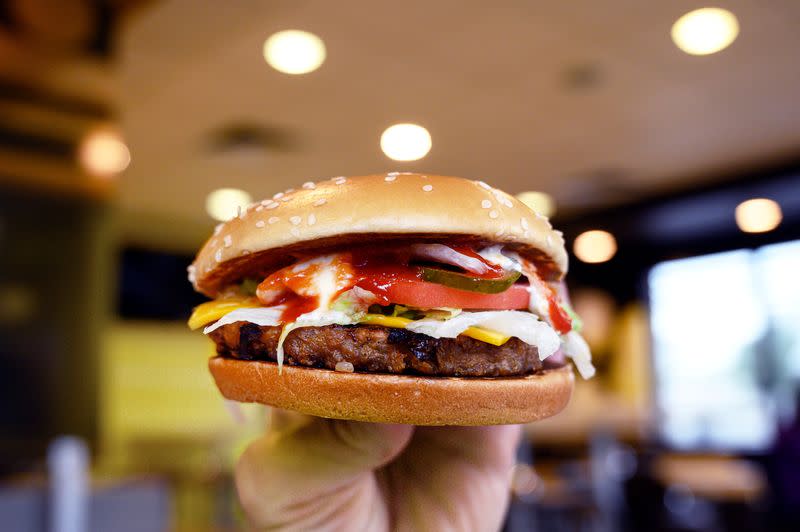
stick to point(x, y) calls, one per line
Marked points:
point(406, 142)
point(758, 215)
point(705, 31)
point(595, 246)
point(103, 153)
point(539, 202)
point(294, 51)
point(223, 204)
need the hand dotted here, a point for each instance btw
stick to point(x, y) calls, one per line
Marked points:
point(311, 473)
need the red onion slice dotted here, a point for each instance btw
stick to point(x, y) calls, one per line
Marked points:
point(447, 255)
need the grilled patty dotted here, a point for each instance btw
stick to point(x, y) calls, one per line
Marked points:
point(375, 349)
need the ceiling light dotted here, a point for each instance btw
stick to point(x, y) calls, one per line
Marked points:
point(595, 246)
point(406, 142)
point(539, 202)
point(224, 203)
point(103, 153)
point(758, 215)
point(705, 31)
point(294, 51)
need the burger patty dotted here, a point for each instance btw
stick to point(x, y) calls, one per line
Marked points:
point(375, 349)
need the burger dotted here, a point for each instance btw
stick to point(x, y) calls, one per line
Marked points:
point(395, 298)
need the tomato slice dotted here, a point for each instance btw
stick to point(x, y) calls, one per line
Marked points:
point(405, 288)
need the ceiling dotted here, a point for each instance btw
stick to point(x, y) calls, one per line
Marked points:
point(589, 101)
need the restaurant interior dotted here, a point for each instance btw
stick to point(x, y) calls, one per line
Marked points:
point(662, 138)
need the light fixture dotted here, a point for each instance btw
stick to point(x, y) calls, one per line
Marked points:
point(406, 142)
point(294, 51)
point(705, 31)
point(758, 215)
point(103, 153)
point(539, 202)
point(223, 204)
point(595, 246)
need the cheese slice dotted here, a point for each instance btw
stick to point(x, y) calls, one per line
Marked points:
point(213, 310)
point(205, 313)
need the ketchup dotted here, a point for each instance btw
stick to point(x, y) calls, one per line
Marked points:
point(561, 320)
point(375, 270)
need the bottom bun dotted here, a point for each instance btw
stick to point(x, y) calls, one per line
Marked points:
point(405, 399)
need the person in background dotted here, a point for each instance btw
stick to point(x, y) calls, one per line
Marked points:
point(310, 473)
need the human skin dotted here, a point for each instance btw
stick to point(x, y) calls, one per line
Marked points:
point(320, 474)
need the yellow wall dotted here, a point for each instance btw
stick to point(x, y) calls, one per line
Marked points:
point(159, 407)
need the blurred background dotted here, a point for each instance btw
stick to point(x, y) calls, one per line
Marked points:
point(662, 138)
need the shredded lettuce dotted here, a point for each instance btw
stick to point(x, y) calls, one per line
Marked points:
point(576, 348)
point(523, 325)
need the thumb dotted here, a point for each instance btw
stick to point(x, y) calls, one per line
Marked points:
point(306, 469)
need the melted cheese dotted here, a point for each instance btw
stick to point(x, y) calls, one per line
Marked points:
point(209, 311)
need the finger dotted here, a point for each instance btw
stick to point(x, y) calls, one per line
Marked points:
point(491, 446)
point(310, 469)
point(472, 465)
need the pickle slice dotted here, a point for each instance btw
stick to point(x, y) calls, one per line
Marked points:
point(468, 282)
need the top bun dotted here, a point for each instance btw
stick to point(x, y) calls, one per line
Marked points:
point(349, 211)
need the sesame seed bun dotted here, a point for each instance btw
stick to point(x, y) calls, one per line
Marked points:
point(394, 207)
point(403, 399)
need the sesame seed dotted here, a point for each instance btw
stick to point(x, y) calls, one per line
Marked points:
point(246, 252)
point(273, 205)
point(285, 198)
point(484, 185)
point(321, 201)
point(272, 220)
point(507, 202)
point(340, 180)
point(493, 214)
point(526, 233)
point(228, 241)
point(540, 216)
point(295, 231)
point(289, 191)
point(394, 173)
point(309, 185)
point(217, 229)
point(218, 255)
point(500, 232)
point(260, 223)
point(523, 222)
point(486, 204)
point(277, 196)
point(346, 367)
point(312, 219)
point(259, 208)
point(239, 212)
point(427, 188)
point(295, 220)
point(266, 202)
point(549, 241)
point(389, 178)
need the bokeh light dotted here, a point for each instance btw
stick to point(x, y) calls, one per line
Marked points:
point(406, 142)
point(224, 203)
point(538, 201)
point(294, 52)
point(595, 246)
point(103, 153)
point(705, 31)
point(758, 215)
